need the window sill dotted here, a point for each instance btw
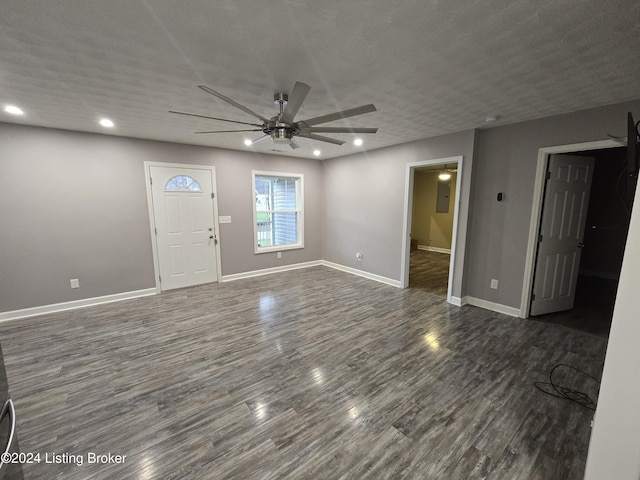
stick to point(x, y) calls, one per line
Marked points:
point(278, 248)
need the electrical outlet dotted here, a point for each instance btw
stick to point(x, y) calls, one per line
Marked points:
point(494, 283)
point(75, 283)
point(279, 254)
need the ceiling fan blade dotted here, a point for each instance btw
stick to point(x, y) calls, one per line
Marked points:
point(339, 130)
point(231, 131)
point(352, 112)
point(215, 118)
point(232, 102)
point(320, 138)
point(294, 144)
point(259, 139)
point(296, 97)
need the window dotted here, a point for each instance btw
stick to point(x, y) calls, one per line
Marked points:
point(182, 183)
point(277, 211)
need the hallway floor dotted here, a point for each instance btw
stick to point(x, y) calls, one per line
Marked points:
point(429, 271)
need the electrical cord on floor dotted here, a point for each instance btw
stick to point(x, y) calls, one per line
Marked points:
point(580, 398)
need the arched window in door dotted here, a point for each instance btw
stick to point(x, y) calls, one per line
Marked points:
point(182, 183)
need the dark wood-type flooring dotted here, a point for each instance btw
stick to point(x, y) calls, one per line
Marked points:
point(593, 307)
point(592, 311)
point(429, 271)
point(309, 374)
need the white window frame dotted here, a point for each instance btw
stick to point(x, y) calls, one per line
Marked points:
point(299, 210)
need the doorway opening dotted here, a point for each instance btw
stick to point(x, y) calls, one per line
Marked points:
point(429, 247)
point(433, 207)
point(602, 248)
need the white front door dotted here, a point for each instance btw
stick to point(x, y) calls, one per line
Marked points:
point(184, 227)
point(564, 212)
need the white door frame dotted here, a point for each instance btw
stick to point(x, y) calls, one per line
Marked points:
point(536, 210)
point(154, 241)
point(408, 207)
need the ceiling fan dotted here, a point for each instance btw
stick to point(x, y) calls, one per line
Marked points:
point(282, 127)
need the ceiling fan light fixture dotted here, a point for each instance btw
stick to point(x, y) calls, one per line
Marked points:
point(358, 142)
point(105, 122)
point(248, 142)
point(317, 152)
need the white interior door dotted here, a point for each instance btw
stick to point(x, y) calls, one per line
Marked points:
point(564, 212)
point(184, 225)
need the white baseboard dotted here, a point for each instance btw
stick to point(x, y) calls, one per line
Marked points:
point(86, 302)
point(361, 273)
point(457, 301)
point(434, 249)
point(267, 271)
point(295, 266)
point(494, 307)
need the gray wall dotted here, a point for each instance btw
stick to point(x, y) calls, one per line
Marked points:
point(73, 205)
point(365, 201)
point(505, 161)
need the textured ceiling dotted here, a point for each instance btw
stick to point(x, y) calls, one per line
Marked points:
point(430, 66)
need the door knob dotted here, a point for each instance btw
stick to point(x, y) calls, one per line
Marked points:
point(210, 236)
point(581, 245)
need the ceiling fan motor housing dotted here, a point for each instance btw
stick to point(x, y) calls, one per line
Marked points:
point(282, 135)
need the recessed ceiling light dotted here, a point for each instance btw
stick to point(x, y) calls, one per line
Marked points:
point(105, 122)
point(357, 142)
point(317, 153)
point(248, 142)
point(13, 110)
point(491, 119)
